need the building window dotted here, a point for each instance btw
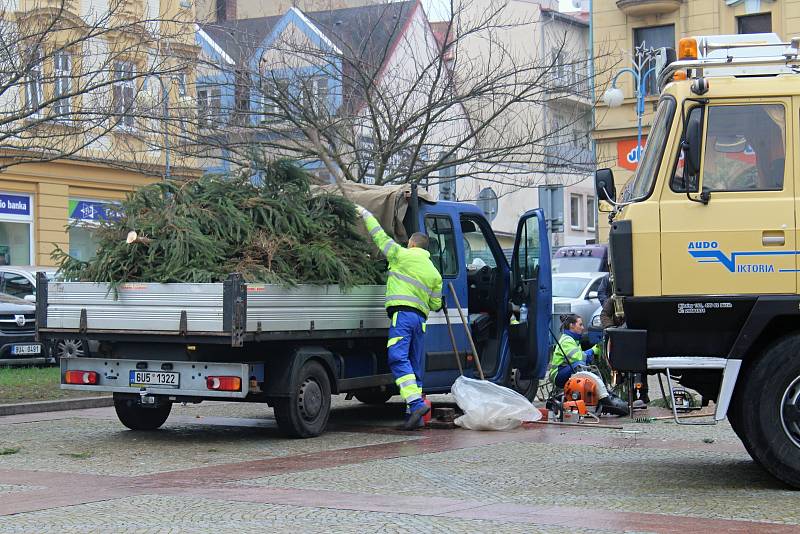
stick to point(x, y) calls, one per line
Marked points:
point(447, 183)
point(591, 212)
point(276, 91)
point(62, 63)
point(653, 37)
point(84, 216)
point(761, 23)
point(180, 83)
point(487, 202)
point(16, 229)
point(575, 212)
point(241, 102)
point(124, 92)
point(314, 94)
point(209, 101)
point(33, 84)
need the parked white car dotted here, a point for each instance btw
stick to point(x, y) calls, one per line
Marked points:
point(576, 293)
point(20, 282)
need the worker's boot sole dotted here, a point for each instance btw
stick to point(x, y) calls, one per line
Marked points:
point(413, 421)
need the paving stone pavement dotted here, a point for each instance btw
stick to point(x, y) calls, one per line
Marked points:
point(224, 467)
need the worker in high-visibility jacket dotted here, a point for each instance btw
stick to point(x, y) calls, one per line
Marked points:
point(568, 359)
point(568, 356)
point(413, 290)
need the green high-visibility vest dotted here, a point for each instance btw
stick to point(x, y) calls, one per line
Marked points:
point(413, 279)
point(567, 349)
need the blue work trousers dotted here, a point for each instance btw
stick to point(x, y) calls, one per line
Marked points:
point(407, 354)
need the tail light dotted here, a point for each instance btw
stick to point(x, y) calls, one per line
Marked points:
point(81, 377)
point(224, 383)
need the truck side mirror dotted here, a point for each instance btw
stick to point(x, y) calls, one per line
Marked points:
point(692, 144)
point(604, 185)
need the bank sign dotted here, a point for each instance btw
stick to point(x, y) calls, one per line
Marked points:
point(91, 211)
point(15, 205)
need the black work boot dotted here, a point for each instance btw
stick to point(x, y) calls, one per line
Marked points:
point(613, 405)
point(415, 418)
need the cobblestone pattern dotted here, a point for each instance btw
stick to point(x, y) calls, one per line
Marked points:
point(700, 483)
point(157, 513)
point(93, 446)
point(699, 472)
point(17, 488)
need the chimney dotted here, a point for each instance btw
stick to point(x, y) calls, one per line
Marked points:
point(226, 10)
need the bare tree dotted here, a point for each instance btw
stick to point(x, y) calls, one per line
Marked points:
point(82, 82)
point(379, 96)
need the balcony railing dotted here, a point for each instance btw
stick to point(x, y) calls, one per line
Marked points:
point(569, 85)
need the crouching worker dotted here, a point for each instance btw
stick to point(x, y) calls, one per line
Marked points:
point(413, 289)
point(568, 360)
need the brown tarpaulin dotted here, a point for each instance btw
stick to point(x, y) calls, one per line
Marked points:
point(389, 203)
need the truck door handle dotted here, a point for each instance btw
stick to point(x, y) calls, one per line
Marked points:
point(775, 238)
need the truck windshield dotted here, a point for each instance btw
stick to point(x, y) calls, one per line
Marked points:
point(641, 184)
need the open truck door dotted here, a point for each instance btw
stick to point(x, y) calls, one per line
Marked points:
point(531, 286)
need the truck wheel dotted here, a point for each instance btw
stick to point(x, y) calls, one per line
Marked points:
point(69, 348)
point(304, 414)
point(136, 417)
point(373, 396)
point(770, 411)
point(735, 417)
point(525, 386)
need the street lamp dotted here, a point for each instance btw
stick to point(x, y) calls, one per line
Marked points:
point(613, 96)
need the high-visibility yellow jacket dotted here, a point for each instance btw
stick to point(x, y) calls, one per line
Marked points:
point(568, 351)
point(413, 279)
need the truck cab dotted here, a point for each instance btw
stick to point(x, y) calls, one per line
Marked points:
point(704, 239)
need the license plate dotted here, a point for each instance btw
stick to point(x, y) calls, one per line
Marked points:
point(20, 350)
point(155, 378)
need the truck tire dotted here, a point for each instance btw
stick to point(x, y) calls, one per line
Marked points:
point(735, 418)
point(304, 413)
point(373, 396)
point(136, 417)
point(525, 386)
point(769, 420)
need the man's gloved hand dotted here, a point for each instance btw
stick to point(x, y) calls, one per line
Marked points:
point(589, 355)
point(362, 211)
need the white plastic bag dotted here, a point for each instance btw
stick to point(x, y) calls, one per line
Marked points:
point(488, 406)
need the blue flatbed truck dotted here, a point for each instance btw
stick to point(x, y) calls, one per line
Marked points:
point(292, 348)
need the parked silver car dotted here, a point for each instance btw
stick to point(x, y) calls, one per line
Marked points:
point(576, 293)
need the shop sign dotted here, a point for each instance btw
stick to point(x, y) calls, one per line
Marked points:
point(627, 153)
point(15, 205)
point(91, 211)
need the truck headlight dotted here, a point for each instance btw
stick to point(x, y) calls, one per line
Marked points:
point(596, 322)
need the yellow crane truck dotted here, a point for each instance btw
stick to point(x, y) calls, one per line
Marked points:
point(705, 242)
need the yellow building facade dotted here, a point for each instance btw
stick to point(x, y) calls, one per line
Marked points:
point(619, 26)
point(39, 199)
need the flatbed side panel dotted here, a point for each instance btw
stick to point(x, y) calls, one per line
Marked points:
point(145, 307)
point(148, 307)
point(309, 308)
